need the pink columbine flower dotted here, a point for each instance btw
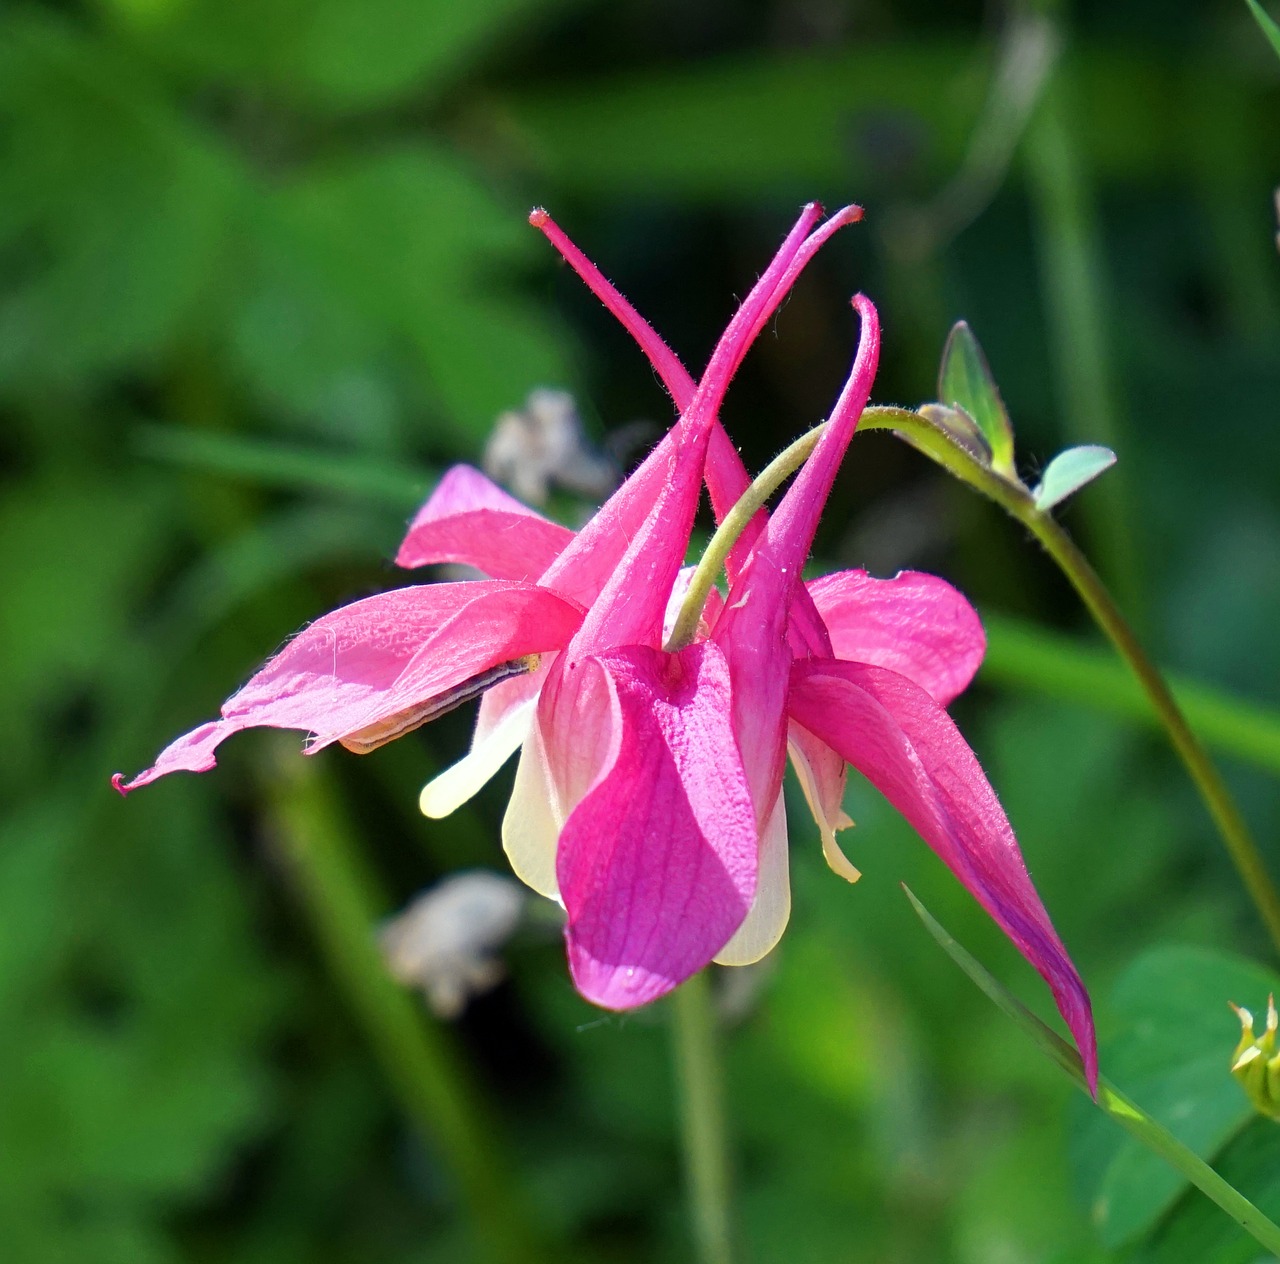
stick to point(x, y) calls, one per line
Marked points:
point(647, 797)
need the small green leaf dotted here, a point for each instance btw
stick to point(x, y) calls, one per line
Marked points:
point(1270, 28)
point(1069, 471)
point(958, 426)
point(965, 382)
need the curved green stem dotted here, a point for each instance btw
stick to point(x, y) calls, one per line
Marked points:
point(704, 1136)
point(728, 532)
point(1110, 1100)
point(1017, 501)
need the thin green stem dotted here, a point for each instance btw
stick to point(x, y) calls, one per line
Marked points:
point(730, 530)
point(417, 1054)
point(1017, 501)
point(1028, 656)
point(1110, 1100)
point(706, 1152)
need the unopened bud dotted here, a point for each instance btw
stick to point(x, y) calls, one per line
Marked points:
point(1256, 1064)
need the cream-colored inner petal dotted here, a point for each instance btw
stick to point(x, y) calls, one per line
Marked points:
point(530, 828)
point(453, 787)
point(769, 912)
point(831, 853)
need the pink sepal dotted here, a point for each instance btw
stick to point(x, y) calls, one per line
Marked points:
point(470, 520)
point(907, 746)
point(914, 624)
point(380, 666)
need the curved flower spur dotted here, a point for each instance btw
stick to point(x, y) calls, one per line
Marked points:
point(648, 797)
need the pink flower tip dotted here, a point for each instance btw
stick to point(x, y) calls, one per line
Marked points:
point(117, 780)
point(538, 217)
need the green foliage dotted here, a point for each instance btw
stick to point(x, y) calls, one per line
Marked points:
point(965, 382)
point(1269, 27)
point(1069, 471)
point(264, 272)
point(1171, 1049)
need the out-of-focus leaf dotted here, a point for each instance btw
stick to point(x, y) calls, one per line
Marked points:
point(1196, 1231)
point(120, 211)
point(965, 382)
point(278, 465)
point(959, 427)
point(331, 54)
point(1065, 667)
point(838, 120)
point(381, 269)
point(1269, 26)
point(134, 1045)
point(1171, 1049)
point(1069, 471)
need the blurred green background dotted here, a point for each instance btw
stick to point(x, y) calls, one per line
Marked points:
point(265, 272)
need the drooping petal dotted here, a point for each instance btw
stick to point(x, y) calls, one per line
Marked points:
point(771, 909)
point(822, 776)
point(470, 520)
point(379, 667)
point(657, 861)
point(893, 732)
point(448, 791)
point(916, 625)
point(502, 722)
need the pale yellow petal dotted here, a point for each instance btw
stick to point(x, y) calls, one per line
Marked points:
point(453, 787)
point(767, 918)
point(827, 826)
point(531, 829)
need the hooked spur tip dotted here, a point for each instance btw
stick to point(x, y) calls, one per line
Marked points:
point(117, 782)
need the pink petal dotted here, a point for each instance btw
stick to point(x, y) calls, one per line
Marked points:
point(380, 667)
point(893, 732)
point(916, 625)
point(470, 520)
point(657, 861)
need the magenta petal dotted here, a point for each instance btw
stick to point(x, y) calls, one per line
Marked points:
point(657, 863)
point(470, 520)
point(893, 732)
point(381, 666)
point(916, 625)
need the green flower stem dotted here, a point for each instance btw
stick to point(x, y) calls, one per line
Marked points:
point(706, 1151)
point(1031, 657)
point(1017, 501)
point(730, 530)
point(416, 1052)
point(1110, 1100)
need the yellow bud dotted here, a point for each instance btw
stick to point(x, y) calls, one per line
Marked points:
point(1256, 1064)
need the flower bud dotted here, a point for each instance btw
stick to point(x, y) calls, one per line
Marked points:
point(1256, 1064)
